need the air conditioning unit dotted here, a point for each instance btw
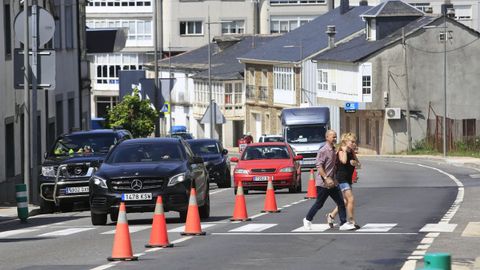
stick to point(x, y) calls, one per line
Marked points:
point(393, 113)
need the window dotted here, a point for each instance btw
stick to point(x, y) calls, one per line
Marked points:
point(282, 24)
point(191, 28)
point(366, 85)
point(118, 3)
point(283, 78)
point(228, 94)
point(9, 149)
point(137, 29)
point(463, 12)
point(238, 93)
point(296, 2)
point(7, 26)
point(322, 80)
point(71, 113)
point(108, 66)
point(233, 27)
point(104, 104)
point(69, 25)
point(425, 7)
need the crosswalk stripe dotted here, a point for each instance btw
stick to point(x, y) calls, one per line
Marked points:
point(253, 228)
point(472, 230)
point(314, 228)
point(131, 229)
point(182, 228)
point(377, 227)
point(438, 227)
point(15, 232)
point(66, 232)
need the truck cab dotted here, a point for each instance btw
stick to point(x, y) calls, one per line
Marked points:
point(304, 129)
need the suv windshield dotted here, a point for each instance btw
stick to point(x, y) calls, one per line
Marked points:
point(273, 139)
point(202, 148)
point(84, 143)
point(266, 152)
point(306, 134)
point(145, 152)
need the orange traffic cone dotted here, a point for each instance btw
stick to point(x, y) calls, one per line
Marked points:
point(122, 246)
point(270, 202)
point(192, 225)
point(312, 189)
point(159, 236)
point(354, 176)
point(240, 211)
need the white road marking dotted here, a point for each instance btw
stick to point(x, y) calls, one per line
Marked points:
point(105, 266)
point(315, 228)
point(438, 227)
point(253, 228)
point(66, 232)
point(421, 247)
point(182, 228)
point(411, 263)
point(131, 229)
point(15, 232)
point(475, 176)
point(377, 227)
point(258, 215)
point(472, 230)
point(310, 233)
point(427, 240)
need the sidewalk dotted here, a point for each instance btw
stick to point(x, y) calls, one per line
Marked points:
point(9, 212)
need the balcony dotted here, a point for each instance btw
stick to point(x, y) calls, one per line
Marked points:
point(263, 94)
point(250, 92)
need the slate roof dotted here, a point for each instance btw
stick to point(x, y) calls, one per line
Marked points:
point(225, 65)
point(393, 8)
point(309, 38)
point(359, 47)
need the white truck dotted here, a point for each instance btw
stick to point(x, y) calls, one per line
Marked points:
point(304, 129)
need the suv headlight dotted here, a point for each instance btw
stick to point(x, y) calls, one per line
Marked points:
point(176, 179)
point(287, 169)
point(241, 171)
point(97, 180)
point(48, 171)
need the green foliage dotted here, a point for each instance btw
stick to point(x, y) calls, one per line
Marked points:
point(133, 114)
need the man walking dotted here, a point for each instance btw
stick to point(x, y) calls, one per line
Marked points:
point(326, 183)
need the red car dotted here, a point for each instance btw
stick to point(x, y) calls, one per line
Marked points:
point(260, 162)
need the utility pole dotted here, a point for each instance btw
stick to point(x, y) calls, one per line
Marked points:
point(407, 89)
point(210, 96)
point(169, 86)
point(155, 46)
point(26, 102)
point(34, 100)
point(445, 38)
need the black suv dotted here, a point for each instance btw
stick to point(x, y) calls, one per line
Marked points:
point(67, 166)
point(137, 171)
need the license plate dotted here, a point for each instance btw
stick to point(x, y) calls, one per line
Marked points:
point(261, 178)
point(308, 161)
point(73, 190)
point(136, 196)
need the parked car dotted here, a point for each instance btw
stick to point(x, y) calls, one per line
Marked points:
point(138, 170)
point(271, 138)
point(180, 132)
point(216, 159)
point(261, 162)
point(67, 166)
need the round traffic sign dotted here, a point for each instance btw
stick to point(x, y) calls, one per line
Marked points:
point(46, 26)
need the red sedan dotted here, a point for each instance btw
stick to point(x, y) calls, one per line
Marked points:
point(260, 162)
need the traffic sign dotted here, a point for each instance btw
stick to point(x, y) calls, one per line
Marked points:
point(46, 26)
point(351, 107)
point(166, 108)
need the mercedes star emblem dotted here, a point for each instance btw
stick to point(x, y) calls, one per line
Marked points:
point(136, 184)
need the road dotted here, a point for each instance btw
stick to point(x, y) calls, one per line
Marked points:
point(395, 198)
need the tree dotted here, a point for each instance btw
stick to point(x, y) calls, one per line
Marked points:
point(134, 114)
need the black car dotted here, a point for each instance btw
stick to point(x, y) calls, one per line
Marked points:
point(70, 160)
point(137, 171)
point(216, 160)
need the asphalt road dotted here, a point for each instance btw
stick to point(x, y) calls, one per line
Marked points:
point(395, 200)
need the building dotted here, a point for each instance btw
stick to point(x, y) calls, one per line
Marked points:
point(379, 69)
point(65, 107)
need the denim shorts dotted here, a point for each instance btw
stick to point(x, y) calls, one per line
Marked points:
point(344, 186)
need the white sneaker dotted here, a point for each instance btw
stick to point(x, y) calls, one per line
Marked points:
point(307, 225)
point(347, 226)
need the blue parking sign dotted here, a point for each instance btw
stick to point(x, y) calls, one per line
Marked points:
point(351, 107)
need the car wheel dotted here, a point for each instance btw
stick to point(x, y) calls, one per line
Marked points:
point(46, 207)
point(98, 219)
point(114, 215)
point(205, 208)
point(183, 216)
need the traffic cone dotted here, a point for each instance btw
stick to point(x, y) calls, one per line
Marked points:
point(270, 202)
point(240, 211)
point(122, 246)
point(354, 176)
point(312, 189)
point(192, 225)
point(159, 235)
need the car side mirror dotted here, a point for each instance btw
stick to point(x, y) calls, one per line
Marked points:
point(234, 159)
point(299, 157)
point(224, 151)
point(197, 159)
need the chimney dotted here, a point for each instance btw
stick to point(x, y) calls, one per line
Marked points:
point(344, 6)
point(446, 6)
point(330, 4)
point(363, 3)
point(331, 36)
